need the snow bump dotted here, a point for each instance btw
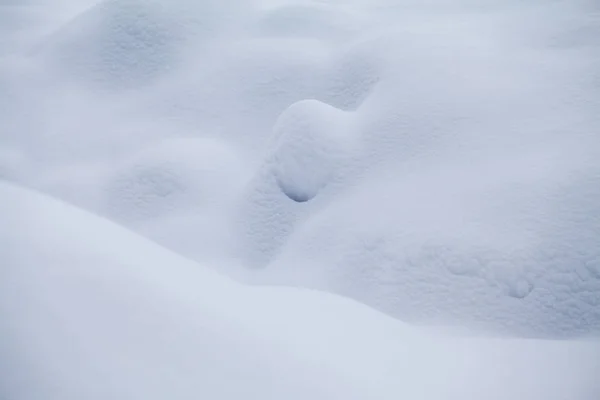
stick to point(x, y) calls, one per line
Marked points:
point(313, 141)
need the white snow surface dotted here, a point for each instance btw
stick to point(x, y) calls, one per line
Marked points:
point(91, 310)
point(438, 161)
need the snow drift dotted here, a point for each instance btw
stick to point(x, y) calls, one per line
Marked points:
point(436, 160)
point(91, 310)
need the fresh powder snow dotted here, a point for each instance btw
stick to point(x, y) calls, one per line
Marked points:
point(370, 199)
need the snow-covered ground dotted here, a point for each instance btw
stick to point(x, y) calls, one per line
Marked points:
point(91, 310)
point(438, 161)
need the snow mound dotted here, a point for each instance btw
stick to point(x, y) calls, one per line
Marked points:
point(311, 147)
point(457, 212)
point(472, 248)
point(128, 43)
point(90, 310)
point(313, 141)
point(173, 175)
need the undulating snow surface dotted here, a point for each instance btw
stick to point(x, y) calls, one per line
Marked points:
point(438, 161)
point(91, 310)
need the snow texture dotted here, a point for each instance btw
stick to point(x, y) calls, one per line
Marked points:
point(299, 199)
point(436, 160)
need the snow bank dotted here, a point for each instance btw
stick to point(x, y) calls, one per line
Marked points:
point(90, 310)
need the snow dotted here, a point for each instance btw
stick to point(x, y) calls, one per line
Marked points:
point(406, 257)
point(437, 161)
point(121, 43)
point(312, 141)
point(91, 310)
point(174, 174)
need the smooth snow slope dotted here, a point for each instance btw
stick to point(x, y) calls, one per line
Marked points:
point(437, 160)
point(89, 310)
